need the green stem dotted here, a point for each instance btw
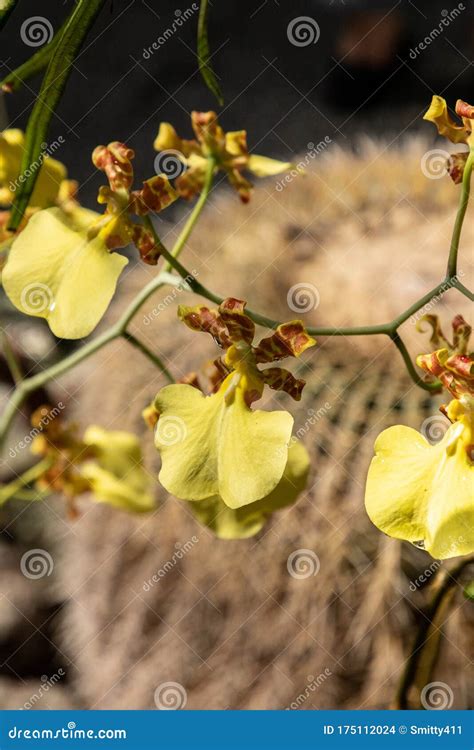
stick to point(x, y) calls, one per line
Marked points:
point(432, 387)
point(153, 357)
point(463, 202)
point(11, 358)
point(29, 476)
point(27, 386)
point(194, 215)
point(422, 636)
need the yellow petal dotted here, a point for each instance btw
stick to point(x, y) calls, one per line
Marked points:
point(117, 474)
point(248, 520)
point(213, 446)
point(423, 493)
point(262, 166)
point(438, 114)
point(51, 172)
point(55, 272)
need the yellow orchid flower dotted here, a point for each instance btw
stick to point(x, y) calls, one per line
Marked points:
point(438, 114)
point(229, 150)
point(421, 492)
point(106, 463)
point(217, 445)
point(240, 523)
point(425, 493)
point(50, 177)
point(62, 266)
point(116, 473)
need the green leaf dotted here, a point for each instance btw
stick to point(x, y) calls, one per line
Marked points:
point(204, 54)
point(59, 68)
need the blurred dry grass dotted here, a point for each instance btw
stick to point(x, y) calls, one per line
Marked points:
point(228, 622)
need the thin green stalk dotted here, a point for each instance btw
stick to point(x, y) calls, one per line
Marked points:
point(423, 635)
point(151, 356)
point(194, 215)
point(11, 358)
point(29, 476)
point(463, 202)
point(432, 387)
point(31, 384)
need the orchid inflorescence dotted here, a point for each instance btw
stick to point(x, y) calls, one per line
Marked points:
point(233, 464)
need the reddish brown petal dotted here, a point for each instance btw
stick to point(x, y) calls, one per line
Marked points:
point(145, 242)
point(289, 340)
point(464, 109)
point(280, 379)
point(461, 334)
point(455, 166)
point(201, 318)
point(437, 337)
point(239, 325)
point(157, 193)
point(115, 161)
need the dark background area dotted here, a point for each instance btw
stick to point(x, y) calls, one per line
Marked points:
point(284, 95)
